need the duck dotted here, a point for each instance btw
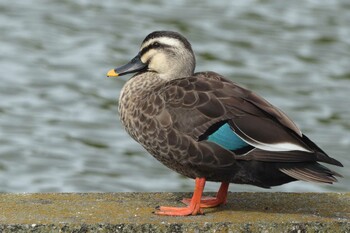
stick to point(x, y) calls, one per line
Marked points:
point(209, 128)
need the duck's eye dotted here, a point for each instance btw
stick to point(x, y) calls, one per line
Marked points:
point(156, 45)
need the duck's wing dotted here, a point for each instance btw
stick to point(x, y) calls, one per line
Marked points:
point(202, 104)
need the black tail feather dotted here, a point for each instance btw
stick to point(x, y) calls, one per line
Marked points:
point(320, 154)
point(313, 172)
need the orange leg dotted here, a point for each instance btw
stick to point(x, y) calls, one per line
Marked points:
point(194, 206)
point(207, 202)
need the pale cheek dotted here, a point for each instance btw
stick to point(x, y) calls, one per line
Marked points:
point(159, 63)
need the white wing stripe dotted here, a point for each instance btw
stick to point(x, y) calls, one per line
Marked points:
point(283, 146)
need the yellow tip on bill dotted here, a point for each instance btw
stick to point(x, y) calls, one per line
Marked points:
point(112, 73)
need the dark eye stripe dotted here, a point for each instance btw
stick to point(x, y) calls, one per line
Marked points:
point(155, 45)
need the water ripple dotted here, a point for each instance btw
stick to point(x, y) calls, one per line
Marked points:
point(58, 116)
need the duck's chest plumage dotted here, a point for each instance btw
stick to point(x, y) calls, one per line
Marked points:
point(140, 107)
point(137, 107)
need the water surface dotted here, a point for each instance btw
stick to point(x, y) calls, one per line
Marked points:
point(58, 117)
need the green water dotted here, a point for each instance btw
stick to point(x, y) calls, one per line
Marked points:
point(59, 127)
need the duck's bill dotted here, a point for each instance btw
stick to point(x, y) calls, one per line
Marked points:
point(135, 65)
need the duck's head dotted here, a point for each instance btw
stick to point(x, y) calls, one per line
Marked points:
point(166, 53)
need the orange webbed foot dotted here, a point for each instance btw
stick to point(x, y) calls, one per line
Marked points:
point(197, 202)
point(192, 209)
point(179, 211)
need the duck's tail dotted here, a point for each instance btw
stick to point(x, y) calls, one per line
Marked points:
point(313, 172)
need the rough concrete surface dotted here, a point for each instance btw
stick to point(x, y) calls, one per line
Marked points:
point(132, 212)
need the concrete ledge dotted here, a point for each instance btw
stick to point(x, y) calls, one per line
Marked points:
point(132, 212)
